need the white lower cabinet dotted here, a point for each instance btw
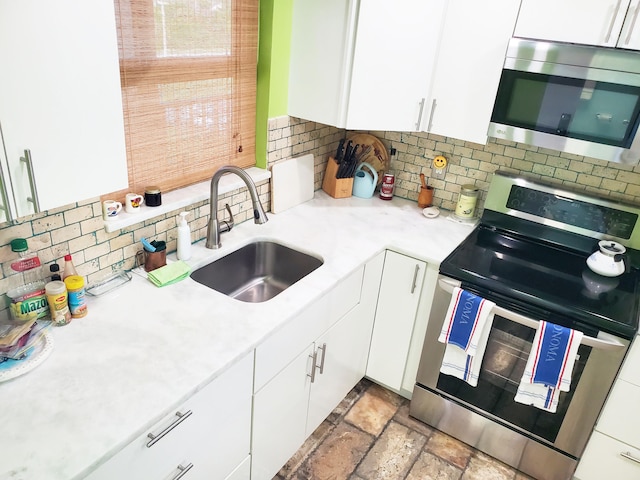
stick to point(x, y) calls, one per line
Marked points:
point(406, 292)
point(294, 392)
point(613, 450)
point(207, 438)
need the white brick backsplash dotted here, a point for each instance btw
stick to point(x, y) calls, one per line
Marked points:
point(78, 228)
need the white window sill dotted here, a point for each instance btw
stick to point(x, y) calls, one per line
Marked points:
point(184, 197)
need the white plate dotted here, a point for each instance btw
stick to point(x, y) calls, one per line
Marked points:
point(431, 212)
point(14, 368)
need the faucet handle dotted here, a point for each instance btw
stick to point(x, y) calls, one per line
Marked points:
point(228, 224)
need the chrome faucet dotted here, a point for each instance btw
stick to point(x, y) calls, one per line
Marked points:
point(214, 229)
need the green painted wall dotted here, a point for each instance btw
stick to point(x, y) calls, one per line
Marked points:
point(273, 69)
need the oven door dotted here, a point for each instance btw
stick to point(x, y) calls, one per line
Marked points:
point(598, 360)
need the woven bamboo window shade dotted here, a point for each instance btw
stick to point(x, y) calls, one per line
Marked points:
point(188, 73)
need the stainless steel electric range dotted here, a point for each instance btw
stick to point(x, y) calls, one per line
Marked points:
point(528, 255)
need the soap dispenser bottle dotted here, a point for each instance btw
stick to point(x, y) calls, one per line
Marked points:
point(184, 237)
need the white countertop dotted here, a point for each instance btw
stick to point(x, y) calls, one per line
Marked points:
point(142, 350)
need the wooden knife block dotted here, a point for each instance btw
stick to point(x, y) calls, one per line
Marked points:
point(336, 187)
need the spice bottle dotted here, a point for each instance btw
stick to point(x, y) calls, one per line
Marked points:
point(76, 295)
point(58, 302)
point(54, 268)
point(69, 268)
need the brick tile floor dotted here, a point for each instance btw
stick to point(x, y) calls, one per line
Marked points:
point(370, 436)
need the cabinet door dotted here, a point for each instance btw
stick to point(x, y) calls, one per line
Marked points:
point(472, 51)
point(340, 364)
point(60, 98)
point(394, 54)
point(279, 417)
point(615, 419)
point(363, 65)
point(603, 458)
point(402, 280)
point(591, 22)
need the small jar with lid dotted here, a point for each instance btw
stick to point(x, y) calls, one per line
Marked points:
point(466, 206)
point(152, 197)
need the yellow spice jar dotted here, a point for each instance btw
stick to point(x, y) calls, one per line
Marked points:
point(77, 301)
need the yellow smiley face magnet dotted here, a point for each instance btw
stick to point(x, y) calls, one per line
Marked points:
point(439, 162)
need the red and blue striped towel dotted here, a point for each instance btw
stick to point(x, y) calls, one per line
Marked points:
point(465, 331)
point(549, 367)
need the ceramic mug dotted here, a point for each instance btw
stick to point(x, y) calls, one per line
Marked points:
point(110, 208)
point(133, 202)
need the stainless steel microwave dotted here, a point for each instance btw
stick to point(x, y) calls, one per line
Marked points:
point(572, 98)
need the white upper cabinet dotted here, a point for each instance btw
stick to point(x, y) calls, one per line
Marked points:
point(465, 78)
point(408, 65)
point(60, 99)
point(363, 64)
point(609, 23)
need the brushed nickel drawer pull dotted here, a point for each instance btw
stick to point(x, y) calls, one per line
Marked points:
point(183, 471)
point(415, 279)
point(630, 456)
point(420, 114)
point(633, 24)
point(613, 20)
point(32, 181)
point(324, 352)
point(314, 360)
point(181, 418)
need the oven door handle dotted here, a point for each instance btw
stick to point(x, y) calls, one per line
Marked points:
point(603, 342)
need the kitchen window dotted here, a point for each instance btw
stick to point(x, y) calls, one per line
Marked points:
point(188, 73)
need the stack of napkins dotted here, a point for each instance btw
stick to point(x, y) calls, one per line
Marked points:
point(170, 273)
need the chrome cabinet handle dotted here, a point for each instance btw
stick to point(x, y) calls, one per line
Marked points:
point(420, 114)
point(613, 20)
point(630, 456)
point(433, 109)
point(183, 471)
point(181, 418)
point(32, 181)
point(6, 205)
point(611, 343)
point(415, 279)
point(633, 24)
point(314, 360)
point(324, 352)
point(4, 199)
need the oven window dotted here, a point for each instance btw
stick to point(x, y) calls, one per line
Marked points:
point(502, 367)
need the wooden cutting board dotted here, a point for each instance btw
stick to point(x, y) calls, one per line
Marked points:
point(291, 182)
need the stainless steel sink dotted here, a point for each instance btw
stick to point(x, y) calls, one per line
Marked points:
point(256, 272)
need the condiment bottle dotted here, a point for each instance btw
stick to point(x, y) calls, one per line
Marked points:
point(58, 302)
point(69, 268)
point(28, 296)
point(54, 268)
point(28, 263)
point(77, 301)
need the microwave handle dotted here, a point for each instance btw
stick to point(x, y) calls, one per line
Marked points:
point(604, 342)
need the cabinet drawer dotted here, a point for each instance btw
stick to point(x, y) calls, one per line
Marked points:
point(213, 434)
point(619, 418)
point(602, 459)
point(277, 351)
